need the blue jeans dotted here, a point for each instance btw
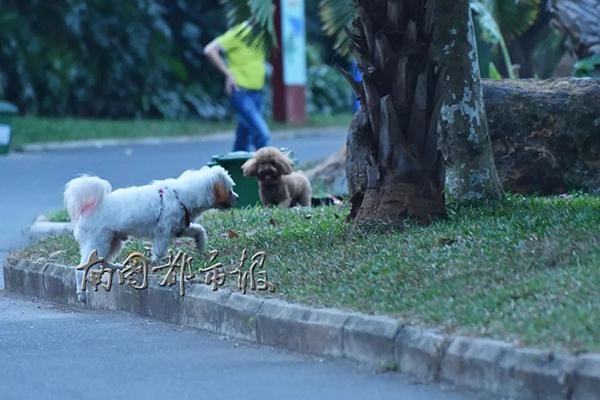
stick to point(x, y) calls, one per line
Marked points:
point(252, 128)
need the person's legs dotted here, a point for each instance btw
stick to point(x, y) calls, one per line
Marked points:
point(261, 135)
point(242, 137)
point(246, 104)
point(242, 131)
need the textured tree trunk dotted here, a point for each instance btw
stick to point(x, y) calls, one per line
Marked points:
point(465, 141)
point(358, 159)
point(580, 21)
point(420, 80)
point(401, 93)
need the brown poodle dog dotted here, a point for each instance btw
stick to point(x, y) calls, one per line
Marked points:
point(277, 184)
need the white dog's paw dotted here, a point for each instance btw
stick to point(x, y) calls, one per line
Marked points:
point(81, 296)
point(200, 242)
point(200, 238)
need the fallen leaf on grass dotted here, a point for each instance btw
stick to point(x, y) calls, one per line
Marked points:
point(446, 241)
point(56, 254)
point(232, 234)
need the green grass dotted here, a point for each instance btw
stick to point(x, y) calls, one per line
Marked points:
point(526, 269)
point(58, 216)
point(36, 130)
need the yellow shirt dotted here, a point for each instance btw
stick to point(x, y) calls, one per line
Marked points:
point(246, 63)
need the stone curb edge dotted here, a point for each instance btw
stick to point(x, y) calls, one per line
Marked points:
point(41, 228)
point(380, 342)
point(220, 135)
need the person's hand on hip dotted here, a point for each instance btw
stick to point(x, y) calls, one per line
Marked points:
point(230, 85)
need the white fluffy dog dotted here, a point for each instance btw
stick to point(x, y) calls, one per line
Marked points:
point(160, 211)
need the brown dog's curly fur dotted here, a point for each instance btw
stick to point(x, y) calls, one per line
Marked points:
point(278, 184)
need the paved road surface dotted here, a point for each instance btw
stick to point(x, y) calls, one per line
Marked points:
point(48, 352)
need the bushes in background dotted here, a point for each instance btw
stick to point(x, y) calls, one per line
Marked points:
point(138, 58)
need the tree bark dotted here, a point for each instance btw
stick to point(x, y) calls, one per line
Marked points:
point(400, 93)
point(580, 21)
point(545, 136)
point(465, 142)
point(358, 159)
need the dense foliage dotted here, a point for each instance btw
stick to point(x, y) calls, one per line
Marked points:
point(144, 57)
point(109, 59)
point(137, 58)
point(515, 38)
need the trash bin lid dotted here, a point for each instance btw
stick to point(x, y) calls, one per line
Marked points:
point(8, 108)
point(234, 155)
point(246, 155)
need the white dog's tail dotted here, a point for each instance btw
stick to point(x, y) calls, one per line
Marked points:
point(83, 194)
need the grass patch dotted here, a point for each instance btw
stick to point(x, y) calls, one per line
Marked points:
point(35, 130)
point(526, 269)
point(58, 216)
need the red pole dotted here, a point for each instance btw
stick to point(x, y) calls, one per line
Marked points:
point(288, 99)
point(279, 114)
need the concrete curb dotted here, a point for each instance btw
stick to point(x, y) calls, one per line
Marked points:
point(99, 143)
point(41, 228)
point(495, 367)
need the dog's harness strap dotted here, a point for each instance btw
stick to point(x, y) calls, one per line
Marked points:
point(160, 194)
point(188, 216)
point(186, 213)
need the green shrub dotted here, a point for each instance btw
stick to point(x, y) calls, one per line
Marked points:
point(110, 59)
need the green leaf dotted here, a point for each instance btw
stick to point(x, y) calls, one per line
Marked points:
point(493, 72)
point(337, 16)
point(509, 18)
point(490, 31)
point(259, 15)
point(588, 66)
point(515, 17)
point(503, 20)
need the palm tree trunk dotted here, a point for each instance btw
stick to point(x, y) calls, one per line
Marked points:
point(465, 142)
point(401, 91)
point(420, 80)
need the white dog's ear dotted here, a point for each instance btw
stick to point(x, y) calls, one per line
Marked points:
point(221, 193)
point(249, 167)
point(284, 164)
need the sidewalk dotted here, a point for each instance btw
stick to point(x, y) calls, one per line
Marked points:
point(217, 136)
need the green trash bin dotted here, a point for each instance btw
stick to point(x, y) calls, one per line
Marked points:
point(245, 187)
point(7, 112)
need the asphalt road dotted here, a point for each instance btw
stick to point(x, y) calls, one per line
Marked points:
point(48, 352)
